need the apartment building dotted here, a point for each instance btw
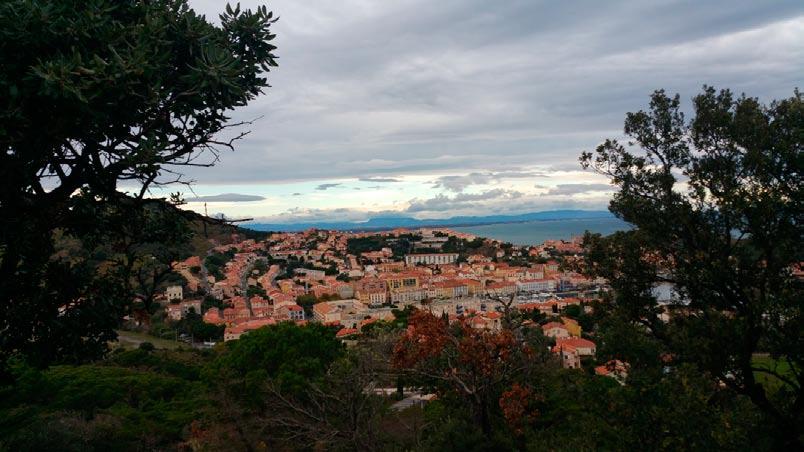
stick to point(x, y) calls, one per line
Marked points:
point(431, 259)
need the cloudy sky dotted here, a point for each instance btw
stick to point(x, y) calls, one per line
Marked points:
point(443, 108)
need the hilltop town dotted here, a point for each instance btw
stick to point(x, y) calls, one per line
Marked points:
point(354, 281)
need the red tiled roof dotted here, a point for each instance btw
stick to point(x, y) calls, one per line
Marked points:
point(575, 342)
point(346, 332)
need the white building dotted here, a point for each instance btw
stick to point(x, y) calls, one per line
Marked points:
point(174, 293)
point(407, 296)
point(431, 259)
point(375, 298)
point(536, 285)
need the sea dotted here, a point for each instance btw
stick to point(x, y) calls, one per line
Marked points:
point(536, 232)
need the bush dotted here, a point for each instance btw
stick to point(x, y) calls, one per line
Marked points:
point(294, 355)
point(147, 346)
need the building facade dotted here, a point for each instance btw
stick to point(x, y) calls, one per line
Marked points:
point(431, 259)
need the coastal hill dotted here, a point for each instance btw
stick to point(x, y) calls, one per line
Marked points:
point(389, 222)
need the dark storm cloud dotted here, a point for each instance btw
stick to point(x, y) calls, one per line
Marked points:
point(391, 88)
point(226, 197)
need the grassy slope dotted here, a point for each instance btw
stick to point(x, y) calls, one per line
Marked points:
point(131, 339)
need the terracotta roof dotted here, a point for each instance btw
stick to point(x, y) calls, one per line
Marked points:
point(323, 308)
point(614, 365)
point(346, 332)
point(575, 342)
point(500, 284)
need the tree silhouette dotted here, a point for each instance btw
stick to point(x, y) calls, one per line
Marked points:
point(716, 202)
point(96, 94)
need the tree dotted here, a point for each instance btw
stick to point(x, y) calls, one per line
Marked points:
point(255, 291)
point(211, 302)
point(193, 324)
point(101, 407)
point(340, 412)
point(573, 311)
point(471, 365)
point(96, 93)
point(307, 301)
point(716, 202)
point(292, 355)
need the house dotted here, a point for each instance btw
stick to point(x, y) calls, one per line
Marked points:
point(295, 312)
point(320, 290)
point(339, 311)
point(326, 313)
point(345, 332)
point(571, 351)
point(555, 330)
point(234, 332)
point(615, 369)
point(177, 311)
point(292, 312)
point(491, 321)
point(214, 316)
point(174, 293)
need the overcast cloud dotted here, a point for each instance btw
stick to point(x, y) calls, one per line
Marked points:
point(226, 197)
point(379, 179)
point(468, 96)
point(572, 189)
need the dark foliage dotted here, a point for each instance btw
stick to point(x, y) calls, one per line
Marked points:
point(68, 68)
point(716, 202)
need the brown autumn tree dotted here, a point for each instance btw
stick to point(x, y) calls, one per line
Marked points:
point(473, 365)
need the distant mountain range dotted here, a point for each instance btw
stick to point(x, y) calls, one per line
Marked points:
point(391, 222)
